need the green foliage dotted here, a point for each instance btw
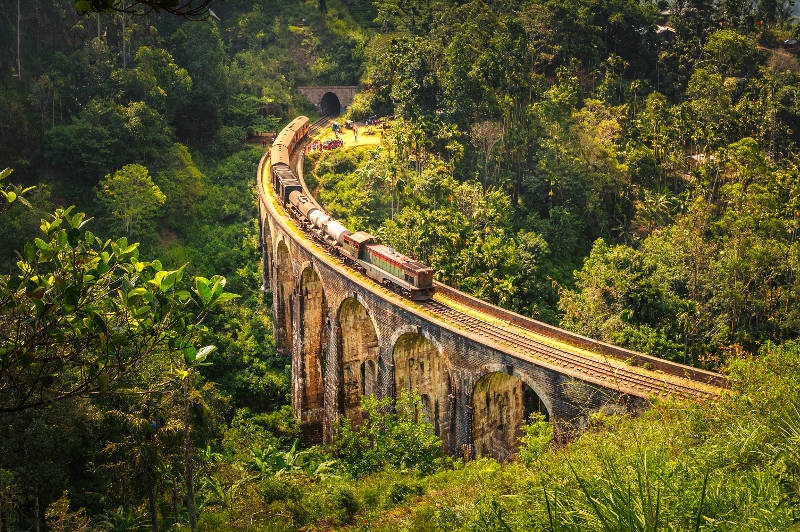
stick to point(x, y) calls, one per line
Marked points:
point(391, 436)
point(59, 517)
point(106, 309)
point(489, 516)
point(11, 192)
point(401, 490)
point(525, 131)
point(733, 53)
point(626, 296)
point(156, 80)
point(183, 184)
point(537, 437)
point(132, 197)
point(346, 505)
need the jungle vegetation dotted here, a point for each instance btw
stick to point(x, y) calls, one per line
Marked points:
point(623, 169)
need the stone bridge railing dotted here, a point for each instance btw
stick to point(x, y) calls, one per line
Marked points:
point(348, 337)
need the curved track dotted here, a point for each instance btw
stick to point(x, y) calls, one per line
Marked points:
point(598, 371)
point(515, 339)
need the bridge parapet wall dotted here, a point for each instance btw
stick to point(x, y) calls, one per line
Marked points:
point(444, 364)
point(619, 353)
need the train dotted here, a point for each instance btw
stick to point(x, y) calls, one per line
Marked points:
point(360, 250)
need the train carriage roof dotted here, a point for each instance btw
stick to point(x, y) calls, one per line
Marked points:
point(359, 237)
point(284, 173)
point(398, 259)
point(297, 123)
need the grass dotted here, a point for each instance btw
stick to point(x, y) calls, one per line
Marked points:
point(680, 466)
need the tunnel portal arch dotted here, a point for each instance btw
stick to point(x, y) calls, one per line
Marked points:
point(329, 99)
point(330, 104)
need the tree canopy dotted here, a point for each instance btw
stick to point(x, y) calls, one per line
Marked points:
point(182, 8)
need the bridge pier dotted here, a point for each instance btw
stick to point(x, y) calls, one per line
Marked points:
point(348, 338)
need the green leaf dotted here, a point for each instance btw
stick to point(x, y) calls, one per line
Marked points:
point(166, 279)
point(41, 244)
point(203, 289)
point(70, 298)
point(99, 322)
point(140, 291)
point(29, 252)
point(141, 311)
point(11, 196)
point(189, 354)
point(158, 280)
point(77, 221)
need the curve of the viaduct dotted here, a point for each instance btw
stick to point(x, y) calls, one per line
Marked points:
point(479, 370)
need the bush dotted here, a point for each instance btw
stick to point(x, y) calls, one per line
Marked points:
point(537, 435)
point(401, 490)
point(388, 437)
point(346, 505)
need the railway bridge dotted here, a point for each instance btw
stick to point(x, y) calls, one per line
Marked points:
point(480, 370)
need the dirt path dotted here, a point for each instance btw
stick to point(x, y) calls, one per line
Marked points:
point(347, 136)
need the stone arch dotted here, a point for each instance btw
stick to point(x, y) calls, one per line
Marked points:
point(358, 351)
point(501, 402)
point(419, 365)
point(309, 362)
point(330, 104)
point(284, 285)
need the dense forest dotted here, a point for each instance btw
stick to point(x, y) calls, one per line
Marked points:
point(623, 169)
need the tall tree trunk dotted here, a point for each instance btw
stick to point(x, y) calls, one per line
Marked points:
point(187, 457)
point(36, 509)
point(153, 511)
point(124, 37)
point(19, 23)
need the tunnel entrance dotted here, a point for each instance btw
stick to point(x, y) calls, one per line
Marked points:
point(501, 404)
point(330, 104)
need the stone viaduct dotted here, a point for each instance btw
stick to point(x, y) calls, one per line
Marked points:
point(330, 100)
point(348, 337)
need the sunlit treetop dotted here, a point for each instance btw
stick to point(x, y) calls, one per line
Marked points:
point(194, 9)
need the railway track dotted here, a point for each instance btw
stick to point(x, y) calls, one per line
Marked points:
point(598, 371)
point(319, 124)
point(595, 370)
